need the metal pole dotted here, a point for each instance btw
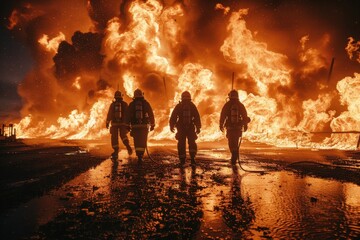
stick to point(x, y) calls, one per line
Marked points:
point(331, 69)
point(232, 81)
point(338, 132)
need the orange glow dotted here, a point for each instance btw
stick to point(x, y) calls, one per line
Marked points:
point(155, 48)
point(129, 84)
point(77, 125)
point(349, 120)
point(263, 65)
point(310, 57)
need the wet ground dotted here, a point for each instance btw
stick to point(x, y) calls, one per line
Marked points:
point(296, 194)
point(31, 168)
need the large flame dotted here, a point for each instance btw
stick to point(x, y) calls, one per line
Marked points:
point(149, 48)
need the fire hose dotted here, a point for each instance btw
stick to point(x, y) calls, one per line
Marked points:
point(283, 168)
point(239, 162)
point(147, 152)
point(150, 157)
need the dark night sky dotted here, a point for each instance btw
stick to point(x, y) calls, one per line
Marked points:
point(340, 16)
point(15, 62)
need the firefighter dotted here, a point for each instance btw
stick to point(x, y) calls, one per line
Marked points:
point(186, 119)
point(140, 118)
point(117, 117)
point(235, 119)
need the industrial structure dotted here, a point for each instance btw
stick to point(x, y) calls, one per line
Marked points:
point(7, 132)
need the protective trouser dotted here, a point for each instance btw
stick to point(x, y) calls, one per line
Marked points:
point(115, 131)
point(140, 134)
point(183, 134)
point(233, 135)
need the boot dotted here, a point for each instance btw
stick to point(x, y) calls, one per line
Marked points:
point(182, 161)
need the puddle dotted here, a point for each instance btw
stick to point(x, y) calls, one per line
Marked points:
point(286, 205)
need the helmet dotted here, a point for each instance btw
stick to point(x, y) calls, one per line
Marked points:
point(118, 95)
point(185, 96)
point(233, 94)
point(138, 93)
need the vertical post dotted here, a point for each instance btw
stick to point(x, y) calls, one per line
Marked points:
point(232, 81)
point(331, 69)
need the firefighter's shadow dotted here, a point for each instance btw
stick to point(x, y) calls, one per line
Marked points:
point(182, 209)
point(150, 206)
point(237, 212)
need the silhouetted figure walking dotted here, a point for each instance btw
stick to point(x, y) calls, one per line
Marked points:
point(235, 119)
point(117, 117)
point(185, 117)
point(140, 118)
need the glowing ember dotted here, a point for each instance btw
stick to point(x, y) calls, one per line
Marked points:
point(76, 83)
point(52, 45)
point(219, 6)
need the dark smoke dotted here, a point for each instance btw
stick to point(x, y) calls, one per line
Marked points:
point(83, 55)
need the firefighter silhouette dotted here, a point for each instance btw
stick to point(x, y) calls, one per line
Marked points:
point(140, 118)
point(235, 119)
point(186, 119)
point(117, 117)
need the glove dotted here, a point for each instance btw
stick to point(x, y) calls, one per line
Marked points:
point(172, 129)
point(152, 127)
point(222, 128)
point(245, 128)
point(107, 124)
point(197, 130)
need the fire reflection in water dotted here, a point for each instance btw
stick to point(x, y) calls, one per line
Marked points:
point(154, 200)
point(303, 208)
